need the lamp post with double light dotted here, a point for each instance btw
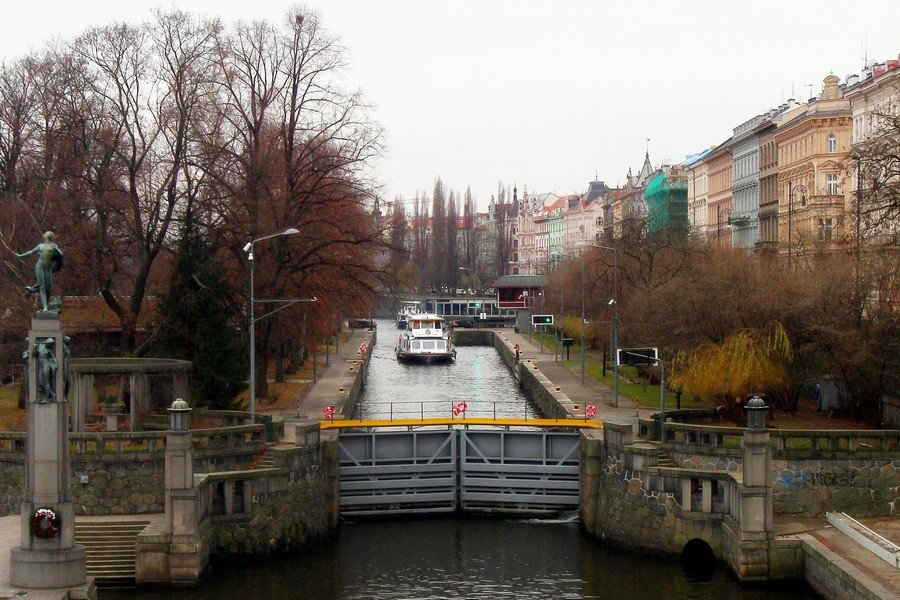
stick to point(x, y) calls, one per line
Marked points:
point(614, 301)
point(248, 248)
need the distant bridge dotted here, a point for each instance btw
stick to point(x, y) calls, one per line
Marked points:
point(447, 470)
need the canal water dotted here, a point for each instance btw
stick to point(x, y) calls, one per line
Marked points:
point(457, 557)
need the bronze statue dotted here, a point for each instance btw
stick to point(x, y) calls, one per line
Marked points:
point(46, 366)
point(49, 262)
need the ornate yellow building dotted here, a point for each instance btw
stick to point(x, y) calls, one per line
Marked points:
point(812, 164)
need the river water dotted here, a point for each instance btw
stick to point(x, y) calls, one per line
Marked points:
point(458, 557)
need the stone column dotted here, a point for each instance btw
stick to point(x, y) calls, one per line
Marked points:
point(54, 561)
point(756, 532)
point(186, 556)
point(140, 389)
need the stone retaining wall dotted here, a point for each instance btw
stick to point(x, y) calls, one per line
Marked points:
point(828, 574)
point(355, 378)
point(619, 506)
point(302, 514)
point(863, 488)
point(119, 484)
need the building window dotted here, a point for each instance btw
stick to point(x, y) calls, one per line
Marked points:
point(832, 144)
point(826, 227)
point(831, 184)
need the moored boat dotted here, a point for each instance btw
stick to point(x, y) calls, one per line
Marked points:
point(407, 308)
point(425, 340)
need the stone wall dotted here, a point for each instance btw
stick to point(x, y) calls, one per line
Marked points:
point(620, 506)
point(12, 480)
point(355, 378)
point(287, 507)
point(863, 488)
point(543, 393)
point(292, 519)
point(473, 337)
point(119, 484)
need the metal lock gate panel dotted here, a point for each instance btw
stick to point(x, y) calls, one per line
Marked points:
point(440, 471)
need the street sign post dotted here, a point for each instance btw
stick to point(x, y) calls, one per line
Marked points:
point(633, 357)
point(542, 319)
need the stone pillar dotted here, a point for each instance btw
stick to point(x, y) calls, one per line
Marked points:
point(140, 389)
point(82, 399)
point(756, 533)
point(186, 554)
point(54, 561)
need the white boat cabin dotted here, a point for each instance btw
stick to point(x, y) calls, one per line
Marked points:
point(425, 325)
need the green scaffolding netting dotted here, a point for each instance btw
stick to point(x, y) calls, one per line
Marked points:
point(666, 204)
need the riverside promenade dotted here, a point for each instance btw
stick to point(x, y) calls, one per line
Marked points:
point(327, 388)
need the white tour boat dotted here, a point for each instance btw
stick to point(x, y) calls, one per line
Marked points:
point(425, 340)
point(407, 308)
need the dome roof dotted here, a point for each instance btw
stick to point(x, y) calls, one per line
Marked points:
point(179, 405)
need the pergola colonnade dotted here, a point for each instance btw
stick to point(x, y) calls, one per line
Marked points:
point(139, 371)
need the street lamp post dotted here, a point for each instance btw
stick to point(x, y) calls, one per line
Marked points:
point(791, 214)
point(582, 307)
point(248, 248)
point(615, 320)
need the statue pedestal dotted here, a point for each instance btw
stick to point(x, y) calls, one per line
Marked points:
point(53, 562)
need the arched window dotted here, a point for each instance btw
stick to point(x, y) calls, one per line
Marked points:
point(832, 143)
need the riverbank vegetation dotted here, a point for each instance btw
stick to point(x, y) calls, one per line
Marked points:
point(156, 151)
point(731, 323)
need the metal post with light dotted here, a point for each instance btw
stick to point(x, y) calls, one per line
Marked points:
point(248, 248)
point(615, 321)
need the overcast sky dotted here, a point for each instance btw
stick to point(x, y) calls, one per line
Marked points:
point(544, 94)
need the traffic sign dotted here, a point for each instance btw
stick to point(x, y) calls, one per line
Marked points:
point(637, 356)
point(542, 319)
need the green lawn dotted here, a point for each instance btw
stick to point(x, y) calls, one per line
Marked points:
point(631, 384)
point(11, 416)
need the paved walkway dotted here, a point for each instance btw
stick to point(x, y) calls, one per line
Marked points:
point(569, 380)
point(324, 391)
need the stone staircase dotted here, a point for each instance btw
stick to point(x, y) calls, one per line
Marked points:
point(266, 460)
point(665, 460)
point(110, 549)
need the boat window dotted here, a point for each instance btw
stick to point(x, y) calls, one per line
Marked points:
point(416, 345)
point(441, 346)
point(427, 345)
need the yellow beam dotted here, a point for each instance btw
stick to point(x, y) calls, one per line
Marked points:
point(348, 423)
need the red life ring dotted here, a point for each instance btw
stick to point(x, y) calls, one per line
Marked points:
point(459, 407)
point(427, 332)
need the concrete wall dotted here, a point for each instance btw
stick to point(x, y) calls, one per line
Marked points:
point(830, 575)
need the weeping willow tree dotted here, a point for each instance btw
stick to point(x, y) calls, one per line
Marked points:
point(747, 362)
